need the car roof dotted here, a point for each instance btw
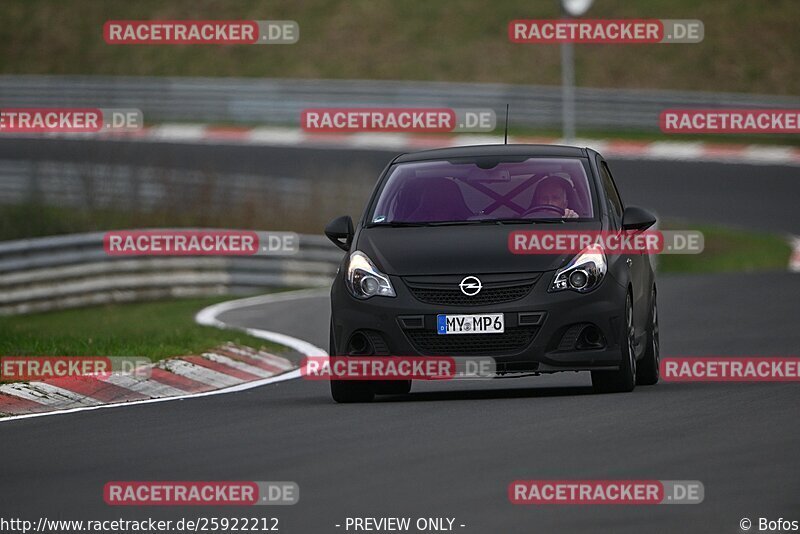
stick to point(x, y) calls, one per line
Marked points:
point(494, 150)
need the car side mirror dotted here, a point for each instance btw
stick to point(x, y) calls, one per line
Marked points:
point(340, 231)
point(636, 218)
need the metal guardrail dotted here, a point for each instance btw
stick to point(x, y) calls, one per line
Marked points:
point(277, 193)
point(137, 185)
point(280, 101)
point(73, 270)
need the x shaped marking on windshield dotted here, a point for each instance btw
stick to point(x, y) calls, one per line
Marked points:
point(500, 199)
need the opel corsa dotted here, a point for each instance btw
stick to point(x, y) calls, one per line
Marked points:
point(429, 271)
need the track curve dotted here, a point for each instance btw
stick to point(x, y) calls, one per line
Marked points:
point(451, 449)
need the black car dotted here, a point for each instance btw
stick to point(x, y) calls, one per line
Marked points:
point(433, 246)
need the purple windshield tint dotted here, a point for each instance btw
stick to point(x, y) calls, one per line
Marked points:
point(441, 191)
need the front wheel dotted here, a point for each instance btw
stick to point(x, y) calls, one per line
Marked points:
point(349, 391)
point(392, 387)
point(624, 379)
point(648, 373)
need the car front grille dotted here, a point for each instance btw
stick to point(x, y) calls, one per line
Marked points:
point(512, 341)
point(449, 294)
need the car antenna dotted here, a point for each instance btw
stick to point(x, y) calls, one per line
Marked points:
point(505, 138)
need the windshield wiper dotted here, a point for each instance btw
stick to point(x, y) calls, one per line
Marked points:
point(400, 224)
point(396, 224)
point(455, 223)
point(496, 221)
point(526, 221)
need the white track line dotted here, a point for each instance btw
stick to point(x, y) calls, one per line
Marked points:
point(178, 132)
point(794, 260)
point(675, 150)
point(275, 136)
point(299, 345)
point(208, 316)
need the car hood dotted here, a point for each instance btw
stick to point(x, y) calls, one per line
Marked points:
point(472, 249)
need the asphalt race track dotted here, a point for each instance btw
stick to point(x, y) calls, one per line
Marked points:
point(451, 449)
point(749, 196)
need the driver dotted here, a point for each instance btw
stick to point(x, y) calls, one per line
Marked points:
point(552, 191)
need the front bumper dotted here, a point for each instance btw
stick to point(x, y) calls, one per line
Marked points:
point(536, 326)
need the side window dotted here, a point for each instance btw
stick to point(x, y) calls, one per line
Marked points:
point(612, 197)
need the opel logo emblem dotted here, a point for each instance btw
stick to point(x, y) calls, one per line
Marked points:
point(470, 286)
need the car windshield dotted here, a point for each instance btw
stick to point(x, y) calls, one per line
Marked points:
point(531, 190)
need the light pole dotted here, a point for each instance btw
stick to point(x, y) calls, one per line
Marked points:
point(569, 9)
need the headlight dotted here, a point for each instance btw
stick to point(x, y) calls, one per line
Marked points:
point(364, 280)
point(584, 273)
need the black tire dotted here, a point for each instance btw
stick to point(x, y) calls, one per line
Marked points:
point(624, 379)
point(648, 372)
point(348, 391)
point(392, 387)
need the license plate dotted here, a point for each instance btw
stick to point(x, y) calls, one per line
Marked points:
point(487, 323)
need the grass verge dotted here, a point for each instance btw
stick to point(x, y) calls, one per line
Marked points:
point(726, 249)
point(729, 250)
point(749, 46)
point(163, 329)
point(155, 330)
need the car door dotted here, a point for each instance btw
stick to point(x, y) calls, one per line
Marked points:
point(637, 262)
